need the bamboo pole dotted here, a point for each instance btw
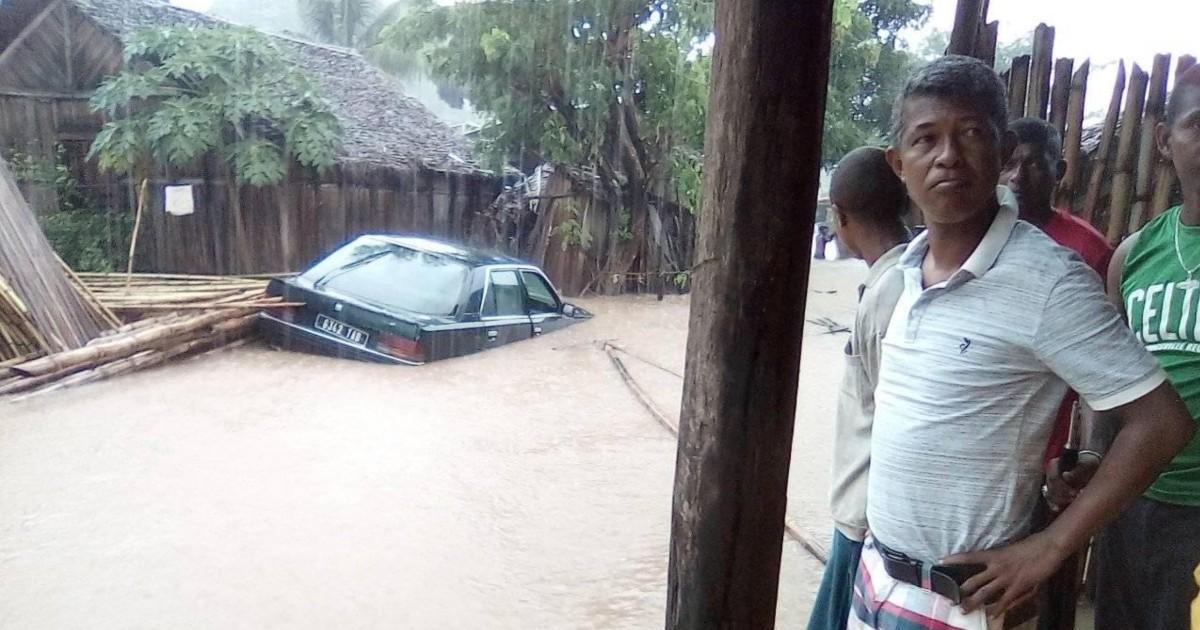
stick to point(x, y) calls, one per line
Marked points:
point(1122, 186)
point(1147, 157)
point(1060, 94)
point(1165, 180)
point(137, 225)
point(1038, 95)
point(1100, 165)
point(106, 316)
point(1018, 85)
point(122, 346)
point(1073, 140)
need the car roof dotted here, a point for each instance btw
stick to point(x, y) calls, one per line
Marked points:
point(471, 256)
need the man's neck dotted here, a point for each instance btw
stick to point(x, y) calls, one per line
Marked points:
point(880, 244)
point(1189, 214)
point(1039, 217)
point(951, 244)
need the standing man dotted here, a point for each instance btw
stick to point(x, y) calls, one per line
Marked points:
point(868, 201)
point(994, 323)
point(1146, 559)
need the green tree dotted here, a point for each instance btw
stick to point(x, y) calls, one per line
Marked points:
point(621, 85)
point(187, 91)
point(358, 24)
point(867, 70)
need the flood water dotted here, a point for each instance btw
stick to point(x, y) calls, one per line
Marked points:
point(519, 488)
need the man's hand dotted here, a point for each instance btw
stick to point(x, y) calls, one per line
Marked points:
point(1012, 575)
point(1062, 488)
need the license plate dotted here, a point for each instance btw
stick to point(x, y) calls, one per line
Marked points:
point(341, 330)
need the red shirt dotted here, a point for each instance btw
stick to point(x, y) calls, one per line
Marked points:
point(1079, 236)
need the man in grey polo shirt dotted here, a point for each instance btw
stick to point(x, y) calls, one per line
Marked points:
point(994, 323)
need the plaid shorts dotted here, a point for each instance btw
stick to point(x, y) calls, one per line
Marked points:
point(883, 603)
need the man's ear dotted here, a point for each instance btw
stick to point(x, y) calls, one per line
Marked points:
point(1008, 145)
point(893, 159)
point(1162, 137)
point(1060, 170)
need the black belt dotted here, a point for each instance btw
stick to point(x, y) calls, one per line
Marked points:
point(944, 579)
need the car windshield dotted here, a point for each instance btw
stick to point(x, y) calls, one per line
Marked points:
point(392, 276)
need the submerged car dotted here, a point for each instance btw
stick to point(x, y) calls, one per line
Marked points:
point(411, 300)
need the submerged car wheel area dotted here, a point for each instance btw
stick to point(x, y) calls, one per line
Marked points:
point(411, 300)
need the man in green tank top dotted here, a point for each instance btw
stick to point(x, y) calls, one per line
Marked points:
point(1146, 559)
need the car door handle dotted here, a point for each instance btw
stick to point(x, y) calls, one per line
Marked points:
point(492, 335)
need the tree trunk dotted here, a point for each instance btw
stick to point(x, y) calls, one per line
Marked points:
point(765, 120)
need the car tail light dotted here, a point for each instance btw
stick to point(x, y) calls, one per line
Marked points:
point(401, 347)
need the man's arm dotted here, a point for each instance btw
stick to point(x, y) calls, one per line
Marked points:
point(1100, 428)
point(1154, 428)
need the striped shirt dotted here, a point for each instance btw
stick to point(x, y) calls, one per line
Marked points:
point(973, 371)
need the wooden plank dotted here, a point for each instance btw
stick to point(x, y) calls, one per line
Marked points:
point(1100, 163)
point(1038, 96)
point(1122, 181)
point(440, 198)
point(1060, 94)
point(1072, 142)
point(985, 47)
point(968, 15)
point(745, 327)
point(1018, 86)
point(1148, 157)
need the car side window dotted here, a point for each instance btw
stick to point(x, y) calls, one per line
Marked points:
point(541, 296)
point(504, 295)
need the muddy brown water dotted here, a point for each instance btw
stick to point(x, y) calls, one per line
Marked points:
point(519, 488)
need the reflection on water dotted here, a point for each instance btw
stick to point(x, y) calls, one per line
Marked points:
point(518, 488)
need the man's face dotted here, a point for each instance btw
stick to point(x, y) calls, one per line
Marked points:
point(948, 156)
point(1031, 174)
point(1181, 142)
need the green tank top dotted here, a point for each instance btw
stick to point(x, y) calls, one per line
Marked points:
point(1164, 311)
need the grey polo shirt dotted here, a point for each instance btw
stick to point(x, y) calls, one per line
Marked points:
point(973, 371)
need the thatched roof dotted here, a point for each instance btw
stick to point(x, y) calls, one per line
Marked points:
point(382, 126)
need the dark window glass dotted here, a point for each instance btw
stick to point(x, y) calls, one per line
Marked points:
point(391, 276)
point(541, 296)
point(504, 295)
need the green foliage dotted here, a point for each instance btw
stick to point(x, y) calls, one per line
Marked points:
point(621, 84)
point(867, 71)
point(186, 91)
point(85, 237)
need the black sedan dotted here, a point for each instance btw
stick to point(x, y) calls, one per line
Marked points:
point(410, 300)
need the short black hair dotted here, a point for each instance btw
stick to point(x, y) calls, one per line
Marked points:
point(865, 182)
point(1188, 80)
point(960, 79)
point(1039, 133)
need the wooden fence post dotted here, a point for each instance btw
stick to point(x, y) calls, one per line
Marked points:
point(1073, 140)
point(1060, 94)
point(1147, 156)
point(747, 318)
point(1165, 179)
point(1100, 165)
point(1122, 182)
point(965, 34)
point(1018, 85)
point(1038, 96)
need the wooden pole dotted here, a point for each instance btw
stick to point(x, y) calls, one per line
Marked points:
point(1164, 182)
point(1038, 96)
point(746, 323)
point(1147, 156)
point(967, 18)
point(137, 224)
point(1073, 140)
point(1060, 94)
point(1018, 85)
point(985, 47)
point(1122, 186)
point(1100, 165)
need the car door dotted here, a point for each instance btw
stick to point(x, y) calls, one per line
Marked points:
point(503, 314)
point(542, 301)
